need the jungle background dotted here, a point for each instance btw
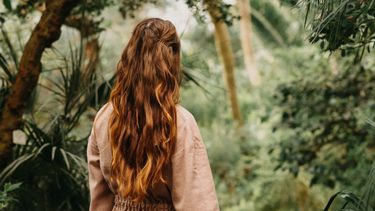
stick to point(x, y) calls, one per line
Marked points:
point(283, 92)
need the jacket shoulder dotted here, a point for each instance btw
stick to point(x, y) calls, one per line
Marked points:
point(184, 116)
point(102, 116)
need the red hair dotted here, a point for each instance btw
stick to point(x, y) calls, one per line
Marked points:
point(143, 127)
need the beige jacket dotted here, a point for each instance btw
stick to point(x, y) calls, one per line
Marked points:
point(190, 183)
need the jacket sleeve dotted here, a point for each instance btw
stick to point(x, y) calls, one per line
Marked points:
point(101, 197)
point(192, 186)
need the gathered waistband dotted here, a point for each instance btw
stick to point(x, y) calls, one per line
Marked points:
point(122, 204)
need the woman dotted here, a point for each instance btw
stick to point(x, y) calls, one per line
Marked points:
point(145, 151)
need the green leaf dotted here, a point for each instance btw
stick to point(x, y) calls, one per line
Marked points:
point(63, 153)
point(8, 187)
point(12, 167)
point(53, 152)
point(350, 198)
point(7, 4)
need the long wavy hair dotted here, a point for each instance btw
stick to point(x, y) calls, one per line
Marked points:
point(143, 127)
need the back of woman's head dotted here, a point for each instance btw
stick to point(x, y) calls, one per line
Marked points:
point(143, 124)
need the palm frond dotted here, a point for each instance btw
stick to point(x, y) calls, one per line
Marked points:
point(9, 45)
point(354, 202)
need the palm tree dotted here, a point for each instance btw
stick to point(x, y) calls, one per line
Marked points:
point(246, 38)
point(224, 49)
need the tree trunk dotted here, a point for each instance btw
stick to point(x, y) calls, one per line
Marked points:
point(246, 35)
point(91, 56)
point(88, 30)
point(302, 195)
point(44, 34)
point(333, 63)
point(224, 49)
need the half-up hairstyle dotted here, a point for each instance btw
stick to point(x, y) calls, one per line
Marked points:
point(143, 127)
